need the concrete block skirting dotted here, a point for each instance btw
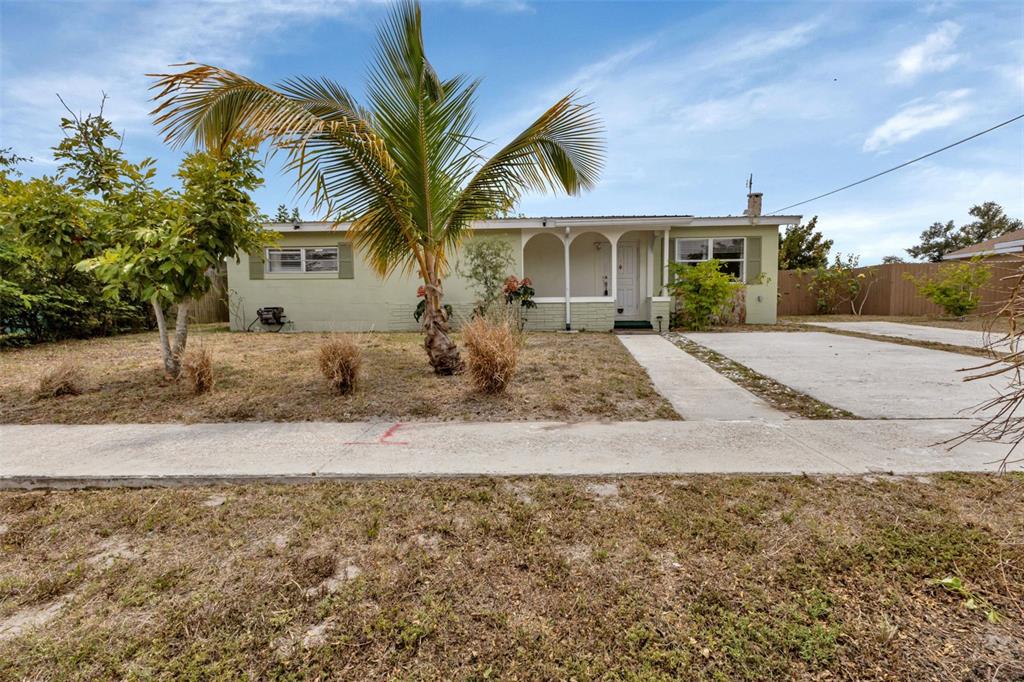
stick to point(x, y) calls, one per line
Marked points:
point(662, 308)
point(593, 317)
point(546, 317)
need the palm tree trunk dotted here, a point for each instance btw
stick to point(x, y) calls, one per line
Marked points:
point(441, 350)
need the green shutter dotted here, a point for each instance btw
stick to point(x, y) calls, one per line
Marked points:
point(256, 261)
point(346, 261)
point(753, 259)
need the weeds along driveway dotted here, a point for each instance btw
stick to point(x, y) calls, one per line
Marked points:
point(871, 379)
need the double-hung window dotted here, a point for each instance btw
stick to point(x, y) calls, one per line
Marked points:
point(312, 259)
point(729, 251)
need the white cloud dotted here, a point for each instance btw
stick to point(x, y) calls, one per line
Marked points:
point(946, 109)
point(151, 38)
point(932, 54)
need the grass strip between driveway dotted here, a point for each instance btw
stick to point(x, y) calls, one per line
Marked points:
point(777, 395)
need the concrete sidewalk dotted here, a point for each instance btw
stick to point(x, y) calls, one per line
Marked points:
point(696, 391)
point(176, 454)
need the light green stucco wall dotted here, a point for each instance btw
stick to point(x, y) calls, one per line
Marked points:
point(364, 303)
point(762, 303)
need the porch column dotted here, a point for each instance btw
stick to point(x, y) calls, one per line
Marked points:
point(650, 266)
point(614, 291)
point(568, 315)
point(664, 254)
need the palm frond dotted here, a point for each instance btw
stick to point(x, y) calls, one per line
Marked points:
point(563, 150)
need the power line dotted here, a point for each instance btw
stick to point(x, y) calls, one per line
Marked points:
point(902, 165)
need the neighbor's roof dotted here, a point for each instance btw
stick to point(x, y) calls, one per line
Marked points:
point(1011, 242)
point(551, 222)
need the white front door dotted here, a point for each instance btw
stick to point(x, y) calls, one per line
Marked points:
point(627, 296)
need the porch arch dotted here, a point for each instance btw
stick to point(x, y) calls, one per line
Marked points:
point(544, 264)
point(591, 260)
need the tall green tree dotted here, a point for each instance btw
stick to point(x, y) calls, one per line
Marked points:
point(405, 165)
point(168, 243)
point(50, 223)
point(802, 246)
point(942, 238)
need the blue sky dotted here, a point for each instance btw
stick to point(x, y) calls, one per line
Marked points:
point(806, 96)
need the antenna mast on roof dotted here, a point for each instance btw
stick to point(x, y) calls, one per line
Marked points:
point(750, 183)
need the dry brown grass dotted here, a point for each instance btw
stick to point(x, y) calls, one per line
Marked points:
point(340, 360)
point(699, 577)
point(63, 379)
point(275, 377)
point(197, 367)
point(493, 346)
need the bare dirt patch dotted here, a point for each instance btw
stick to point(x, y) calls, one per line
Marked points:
point(275, 377)
point(699, 577)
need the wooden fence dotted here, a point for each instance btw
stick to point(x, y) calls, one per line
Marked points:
point(888, 292)
point(213, 306)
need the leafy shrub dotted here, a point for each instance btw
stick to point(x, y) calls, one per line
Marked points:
point(954, 287)
point(487, 261)
point(839, 283)
point(198, 367)
point(63, 379)
point(340, 361)
point(704, 293)
point(518, 298)
point(493, 344)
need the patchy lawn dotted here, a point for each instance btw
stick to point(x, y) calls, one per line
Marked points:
point(544, 578)
point(563, 377)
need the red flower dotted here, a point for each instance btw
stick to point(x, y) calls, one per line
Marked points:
point(511, 284)
point(526, 282)
point(421, 292)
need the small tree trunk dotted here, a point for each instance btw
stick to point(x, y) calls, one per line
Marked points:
point(172, 354)
point(181, 327)
point(441, 350)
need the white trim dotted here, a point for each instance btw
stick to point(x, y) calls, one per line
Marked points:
point(591, 299)
point(661, 299)
point(301, 272)
point(555, 223)
point(549, 299)
point(711, 253)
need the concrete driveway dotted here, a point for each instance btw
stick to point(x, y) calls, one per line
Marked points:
point(920, 332)
point(871, 379)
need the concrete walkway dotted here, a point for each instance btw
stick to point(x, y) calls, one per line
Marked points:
point(176, 454)
point(871, 379)
point(916, 332)
point(697, 392)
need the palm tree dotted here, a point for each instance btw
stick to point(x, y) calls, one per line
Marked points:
point(406, 165)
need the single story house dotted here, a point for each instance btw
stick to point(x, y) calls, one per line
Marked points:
point(1009, 243)
point(589, 272)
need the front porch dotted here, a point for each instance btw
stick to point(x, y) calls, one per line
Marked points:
point(597, 278)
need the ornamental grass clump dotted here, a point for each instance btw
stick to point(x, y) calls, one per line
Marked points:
point(198, 368)
point(340, 361)
point(493, 345)
point(66, 378)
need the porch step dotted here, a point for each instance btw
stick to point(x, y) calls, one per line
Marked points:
point(633, 324)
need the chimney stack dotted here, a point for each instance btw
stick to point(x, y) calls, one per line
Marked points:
point(753, 204)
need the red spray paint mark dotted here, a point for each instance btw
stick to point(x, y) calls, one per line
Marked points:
point(384, 439)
